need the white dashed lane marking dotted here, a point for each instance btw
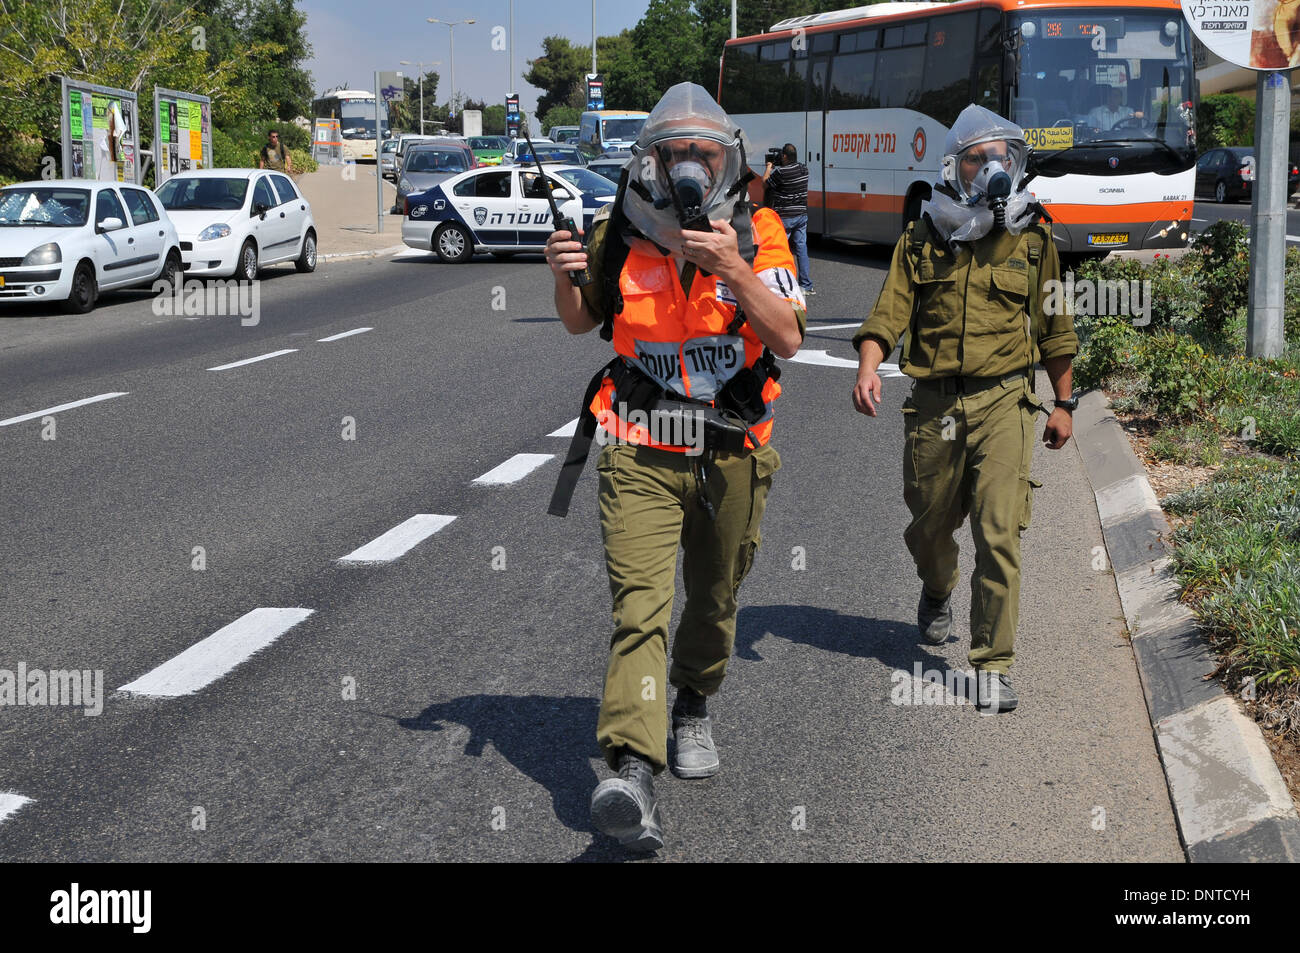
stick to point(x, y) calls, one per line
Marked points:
point(833, 327)
point(61, 408)
point(514, 469)
point(204, 663)
point(568, 430)
point(399, 540)
point(9, 803)
point(254, 360)
point(345, 334)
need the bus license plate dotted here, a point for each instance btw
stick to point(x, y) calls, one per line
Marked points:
point(1108, 238)
point(2, 281)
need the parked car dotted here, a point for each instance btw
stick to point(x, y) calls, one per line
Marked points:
point(489, 149)
point(610, 165)
point(547, 151)
point(429, 163)
point(502, 211)
point(234, 222)
point(563, 133)
point(1228, 174)
point(388, 158)
point(68, 240)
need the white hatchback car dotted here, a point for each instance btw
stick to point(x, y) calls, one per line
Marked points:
point(235, 221)
point(67, 240)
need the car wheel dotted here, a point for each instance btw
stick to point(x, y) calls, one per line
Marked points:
point(171, 272)
point(453, 244)
point(246, 263)
point(1221, 192)
point(81, 299)
point(306, 262)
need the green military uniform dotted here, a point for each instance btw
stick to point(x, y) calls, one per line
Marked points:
point(976, 326)
point(649, 507)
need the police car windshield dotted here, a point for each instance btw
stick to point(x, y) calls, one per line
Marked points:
point(436, 160)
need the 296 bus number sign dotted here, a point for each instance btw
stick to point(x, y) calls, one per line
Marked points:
point(860, 143)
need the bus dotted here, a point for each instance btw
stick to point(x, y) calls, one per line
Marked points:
point(355, 108)
point(1105, 91)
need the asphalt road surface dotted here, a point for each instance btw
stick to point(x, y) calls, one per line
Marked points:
point(442, 705)
point(1207, 212)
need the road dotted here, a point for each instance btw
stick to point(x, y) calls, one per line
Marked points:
point(1207, 212)
point(442, 705)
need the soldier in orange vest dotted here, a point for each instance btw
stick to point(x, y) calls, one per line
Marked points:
point(696, 315)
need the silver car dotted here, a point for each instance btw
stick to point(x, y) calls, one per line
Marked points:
point(428, 163)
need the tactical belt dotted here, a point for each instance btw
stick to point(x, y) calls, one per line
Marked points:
point(634, 389)
point(966, 385)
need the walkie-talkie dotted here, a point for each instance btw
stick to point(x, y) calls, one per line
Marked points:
point(562, 224)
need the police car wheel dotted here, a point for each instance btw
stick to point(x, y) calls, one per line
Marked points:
point(453, 244)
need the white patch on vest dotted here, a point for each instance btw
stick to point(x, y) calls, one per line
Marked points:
point(724, 294)
point(696, 368)
point(782, 283)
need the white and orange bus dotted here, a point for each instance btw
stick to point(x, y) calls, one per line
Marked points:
point(1104, 89)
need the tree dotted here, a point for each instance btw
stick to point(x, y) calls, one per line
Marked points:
point(560, 73)
point(1225, 120)
point(667, 46)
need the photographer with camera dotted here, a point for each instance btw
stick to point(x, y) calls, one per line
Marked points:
point(787, 195)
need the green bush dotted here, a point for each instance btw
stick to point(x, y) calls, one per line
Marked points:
point(1197, 444)
point(1175, 382)
point(1224, 120)
point(1108, 346)
point(1220, 257)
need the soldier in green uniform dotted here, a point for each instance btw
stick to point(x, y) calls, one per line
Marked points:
point(966, 290)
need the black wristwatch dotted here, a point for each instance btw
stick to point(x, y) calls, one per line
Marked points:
point(1069, 405)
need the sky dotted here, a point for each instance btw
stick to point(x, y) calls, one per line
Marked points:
point(351, 40)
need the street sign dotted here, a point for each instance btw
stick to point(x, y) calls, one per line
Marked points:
point(391, 87)
point(1256, 34)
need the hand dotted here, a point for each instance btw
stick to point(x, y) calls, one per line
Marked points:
point(564, 254)
point(716, 252)
point(1060, 427)
point(866, 395)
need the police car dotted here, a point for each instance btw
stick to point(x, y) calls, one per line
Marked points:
point(500, 210)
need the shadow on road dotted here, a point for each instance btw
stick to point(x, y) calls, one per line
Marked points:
point(549, 739)
point(893, 643)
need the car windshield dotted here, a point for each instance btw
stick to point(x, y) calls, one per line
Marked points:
point(623, 129)
point(485, 143)
point(195, 193)
point(65, 208)
point(609, 170)
point(390, 145)
point(440, 160)
point(586, 181)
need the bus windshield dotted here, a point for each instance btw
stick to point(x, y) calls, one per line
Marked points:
point(1116, 80)
point(623, 130)
point(358, 119)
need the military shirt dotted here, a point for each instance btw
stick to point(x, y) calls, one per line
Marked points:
point(970, 307)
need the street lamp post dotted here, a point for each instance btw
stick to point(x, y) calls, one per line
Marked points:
point(421, 66)
point(451, 25)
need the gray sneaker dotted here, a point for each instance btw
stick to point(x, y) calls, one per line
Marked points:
point(624, 807)
point(934, 618)
point(695, 755)
point(993, 693)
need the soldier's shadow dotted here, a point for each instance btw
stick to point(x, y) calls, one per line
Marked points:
point(894, 643)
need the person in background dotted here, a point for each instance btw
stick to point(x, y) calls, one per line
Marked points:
point(274, 155)
point(1114, 111)
point(787, 194)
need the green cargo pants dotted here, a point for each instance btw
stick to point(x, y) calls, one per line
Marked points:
point(648, 507)
point(969, 455)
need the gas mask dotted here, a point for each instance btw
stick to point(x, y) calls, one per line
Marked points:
point(686, 167)
point(984, 161)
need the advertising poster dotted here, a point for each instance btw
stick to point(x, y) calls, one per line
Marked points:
point(1257, 34)
point(184, 132)
point(99, 127)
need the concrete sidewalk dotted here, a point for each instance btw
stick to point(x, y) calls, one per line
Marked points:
point(343, 203)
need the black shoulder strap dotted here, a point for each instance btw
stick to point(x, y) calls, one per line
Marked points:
point(615, 256)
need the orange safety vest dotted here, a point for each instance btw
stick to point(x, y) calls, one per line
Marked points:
point(683, 342)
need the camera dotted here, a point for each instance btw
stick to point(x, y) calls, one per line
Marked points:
point(774, 156)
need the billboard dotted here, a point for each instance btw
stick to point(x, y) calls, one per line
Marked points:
point(100, 134)
point(1257, 34)
point(182, 133)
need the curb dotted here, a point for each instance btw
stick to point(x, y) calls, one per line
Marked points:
point(377, 253)
point(1228, 795)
